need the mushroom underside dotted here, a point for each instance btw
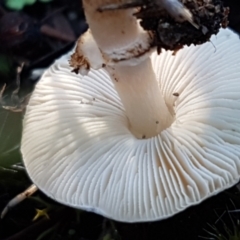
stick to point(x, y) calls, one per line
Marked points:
point(78, 150)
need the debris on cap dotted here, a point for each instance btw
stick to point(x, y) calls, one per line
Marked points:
point(208, 17)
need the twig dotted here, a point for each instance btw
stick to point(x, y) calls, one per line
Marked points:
point(19, 70)
point(19, 198)
point(2, 91)
point(59, 10)
point(52, 32)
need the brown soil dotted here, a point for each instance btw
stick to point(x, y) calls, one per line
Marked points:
point(208, 15)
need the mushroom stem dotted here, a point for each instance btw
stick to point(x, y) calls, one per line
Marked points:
point(112, 29)
point(125, 48)
point(142, 98)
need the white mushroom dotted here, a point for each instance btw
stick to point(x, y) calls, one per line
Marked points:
point(78, 149)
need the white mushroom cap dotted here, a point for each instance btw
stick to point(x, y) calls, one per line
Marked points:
point(78, 150)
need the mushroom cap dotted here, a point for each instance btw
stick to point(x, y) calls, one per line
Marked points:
point(78, 150)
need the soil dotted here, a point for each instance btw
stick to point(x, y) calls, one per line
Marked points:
point(208, 18)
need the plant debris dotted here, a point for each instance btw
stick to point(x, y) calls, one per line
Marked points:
point(208, 17)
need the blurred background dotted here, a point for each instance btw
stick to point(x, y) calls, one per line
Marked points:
point(33, 33)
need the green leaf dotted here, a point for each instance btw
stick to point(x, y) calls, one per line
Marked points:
point(15, 4)
point(20, 4)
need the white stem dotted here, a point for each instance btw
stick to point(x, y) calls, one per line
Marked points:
point(111, 29)
point(118, 33)
point(127, 47)
point(143, 101)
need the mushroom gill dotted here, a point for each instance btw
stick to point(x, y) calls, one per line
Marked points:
point(77, 147)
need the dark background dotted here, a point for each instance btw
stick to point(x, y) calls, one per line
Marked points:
point(34, 37)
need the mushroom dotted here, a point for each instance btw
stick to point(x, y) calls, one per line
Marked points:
point(129, 148)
